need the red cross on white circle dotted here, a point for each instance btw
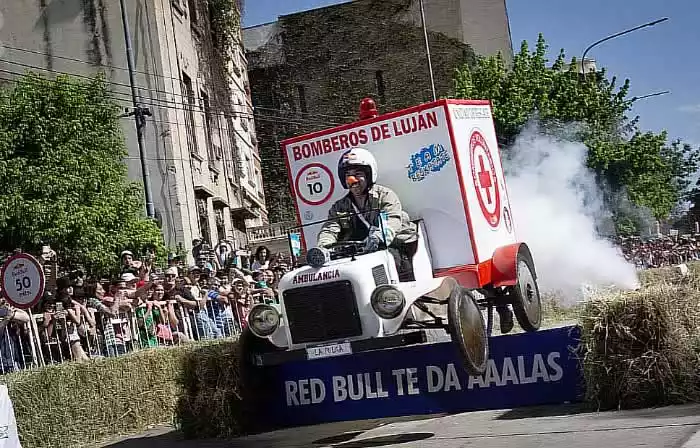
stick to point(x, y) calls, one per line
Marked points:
point(486, 182)
point(485, 179)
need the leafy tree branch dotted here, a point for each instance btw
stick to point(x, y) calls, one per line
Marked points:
point(63, 176)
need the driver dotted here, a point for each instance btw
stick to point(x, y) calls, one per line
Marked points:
point(369, 203)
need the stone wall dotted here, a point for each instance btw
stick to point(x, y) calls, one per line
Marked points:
point(332, 58)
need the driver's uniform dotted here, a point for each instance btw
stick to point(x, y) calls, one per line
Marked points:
point(349, 222)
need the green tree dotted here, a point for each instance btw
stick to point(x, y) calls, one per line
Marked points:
point(63, 177)
point(654, 173)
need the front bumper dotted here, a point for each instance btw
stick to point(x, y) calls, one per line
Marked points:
point(364, 345)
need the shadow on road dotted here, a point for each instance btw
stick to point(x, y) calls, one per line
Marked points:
point(584, 408)
point(339, 438)
point(168, 439)
point(679, 411)
point(545, 411)
point(336, 434)
point(386, 440)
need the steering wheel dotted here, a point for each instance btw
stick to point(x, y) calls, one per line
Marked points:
point(346, 244)
point(346, 248)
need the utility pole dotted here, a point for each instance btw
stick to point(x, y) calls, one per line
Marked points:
point(427, 49)
point(139, 113)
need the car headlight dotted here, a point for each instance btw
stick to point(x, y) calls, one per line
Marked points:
point(387, 301)
point(317, 257)
point(263, 320)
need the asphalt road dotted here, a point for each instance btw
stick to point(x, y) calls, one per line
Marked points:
point(539, 427)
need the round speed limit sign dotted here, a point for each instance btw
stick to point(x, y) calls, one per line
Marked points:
point(22, 280)
point(314, 184)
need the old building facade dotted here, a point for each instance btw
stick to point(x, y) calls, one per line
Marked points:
point(310, 70)
point(201, 151)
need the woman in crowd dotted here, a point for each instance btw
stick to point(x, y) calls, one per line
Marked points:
point(157, 320)
point(261, 259)
point(242, 301)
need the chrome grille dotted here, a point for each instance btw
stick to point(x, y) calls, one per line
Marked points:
point(322, 312)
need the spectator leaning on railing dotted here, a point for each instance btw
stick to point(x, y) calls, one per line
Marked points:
point(12, 324)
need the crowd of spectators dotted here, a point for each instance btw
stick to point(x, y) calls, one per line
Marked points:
point(143, 306)
point(661, 251)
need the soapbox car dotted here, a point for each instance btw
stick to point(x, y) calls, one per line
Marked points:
point(346, 300)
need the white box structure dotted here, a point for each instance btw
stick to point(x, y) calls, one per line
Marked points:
point(441, 159)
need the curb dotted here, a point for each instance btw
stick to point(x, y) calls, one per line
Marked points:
point(693, 441)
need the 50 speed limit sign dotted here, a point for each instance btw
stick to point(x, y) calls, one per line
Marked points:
point(22, 280)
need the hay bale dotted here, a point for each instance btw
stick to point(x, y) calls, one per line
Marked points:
point(642, 347)
point(670, 275)
point(74, 404)
point(80, 404)
point(210, 404)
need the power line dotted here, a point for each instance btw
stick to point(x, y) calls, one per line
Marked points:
point(220, 129)
point(114, 83)
point(163, 92)
point(257, 116)
point(175, 105)
point(83, 61)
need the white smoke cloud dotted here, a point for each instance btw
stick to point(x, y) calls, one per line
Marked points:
point(557, 205)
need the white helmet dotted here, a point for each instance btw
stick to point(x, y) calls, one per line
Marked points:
point(359, 158)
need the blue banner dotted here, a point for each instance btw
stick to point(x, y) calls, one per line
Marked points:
point(524, 369)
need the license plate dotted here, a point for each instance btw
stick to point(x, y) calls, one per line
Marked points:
point(327, 351)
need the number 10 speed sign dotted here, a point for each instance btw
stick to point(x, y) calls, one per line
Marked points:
point(22, 280)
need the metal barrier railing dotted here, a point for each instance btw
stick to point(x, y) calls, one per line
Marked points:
point(60, 336)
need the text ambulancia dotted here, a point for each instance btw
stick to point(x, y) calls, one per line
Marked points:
point(316, 277)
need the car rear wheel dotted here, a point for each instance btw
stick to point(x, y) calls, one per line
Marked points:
point(525, 294)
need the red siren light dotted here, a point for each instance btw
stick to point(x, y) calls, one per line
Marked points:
point(368, 109)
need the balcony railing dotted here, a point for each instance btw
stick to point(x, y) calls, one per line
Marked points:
point(269, 232)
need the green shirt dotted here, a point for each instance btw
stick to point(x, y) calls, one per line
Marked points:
point(147, 332)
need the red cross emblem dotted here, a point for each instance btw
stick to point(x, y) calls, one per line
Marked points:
point(485, 179)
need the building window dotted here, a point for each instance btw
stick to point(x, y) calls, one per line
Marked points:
point(381, 90)
point(192, 9)
point(220, 227)
point(189, 114)
point(236, 157)
point(203, 215)
point(240, 106)
point(249, 170)
point(208, 126)
point(302, 98)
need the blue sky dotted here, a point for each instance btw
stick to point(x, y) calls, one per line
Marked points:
point(663, 57)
